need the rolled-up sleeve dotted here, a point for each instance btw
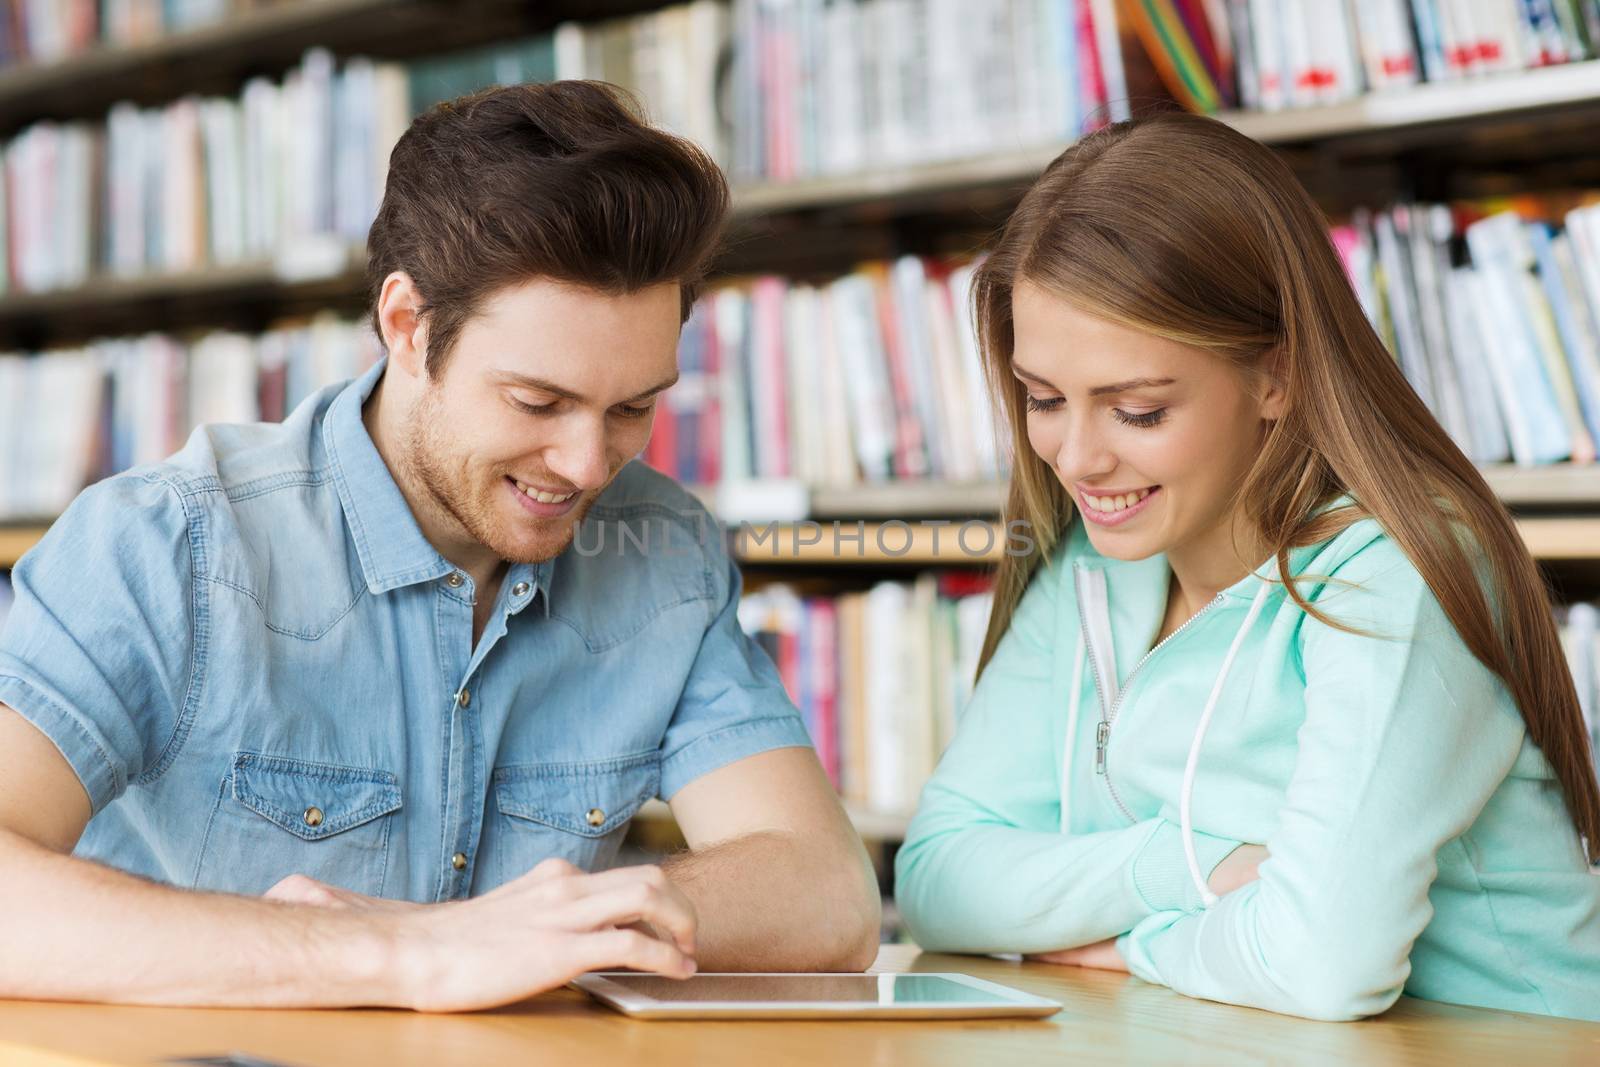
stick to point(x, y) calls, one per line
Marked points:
point(97, 652)
point(733, 704)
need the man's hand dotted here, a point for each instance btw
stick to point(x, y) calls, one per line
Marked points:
point(535, 933)
point(1240, 867)
point(303, 889)
point(1102, 955)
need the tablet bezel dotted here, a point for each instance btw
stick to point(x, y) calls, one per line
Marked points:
point(1017, 1004)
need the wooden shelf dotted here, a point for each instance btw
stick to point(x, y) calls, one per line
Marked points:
point(1014, 167)
point(923, 523)
point(315, 273)
point(90, 81)
point(1558, 485)
point(15, 540)
point(1514, 94)
point(340, 264)
point(257, 32)
point(841, 542)
point(762, 501)
point(872, 826)
point(1562, 539)
point(268, 39)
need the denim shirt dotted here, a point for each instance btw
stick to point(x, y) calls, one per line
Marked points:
point(257, 665)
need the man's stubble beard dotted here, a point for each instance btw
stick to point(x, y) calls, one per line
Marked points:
point(427, 463)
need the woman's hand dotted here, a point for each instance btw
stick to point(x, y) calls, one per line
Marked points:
point(1240, 867)
point(1102, 956)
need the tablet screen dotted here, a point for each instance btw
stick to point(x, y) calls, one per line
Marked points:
point(900, 989)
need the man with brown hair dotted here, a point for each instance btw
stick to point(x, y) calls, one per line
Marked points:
point(356, 664)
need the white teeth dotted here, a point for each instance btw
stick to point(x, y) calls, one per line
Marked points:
point(1115, 503)
point(543, 497)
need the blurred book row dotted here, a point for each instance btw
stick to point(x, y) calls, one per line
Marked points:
point(870, 378)
point(1274, 54)
point(291, 171)
point(73, 416)
point(1580, 636)
point(879, 676)
point(828, 87)
point(1493, 310)
point(43, 31)
point(775, 89)
point(204, 181)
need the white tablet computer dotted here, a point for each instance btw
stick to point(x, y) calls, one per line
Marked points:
point(810, 996)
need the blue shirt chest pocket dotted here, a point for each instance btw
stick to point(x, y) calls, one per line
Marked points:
point(276, 816)
point(578, 812)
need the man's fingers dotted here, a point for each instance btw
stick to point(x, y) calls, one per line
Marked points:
point(553, 867)
point(303, 889)
point(666, 911)
point(622, 877)
point(611, 949)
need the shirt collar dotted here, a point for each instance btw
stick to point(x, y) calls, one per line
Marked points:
point(389, 543)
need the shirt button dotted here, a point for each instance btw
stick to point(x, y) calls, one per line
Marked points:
point(520, 589)
point(459, 861)
point(313, 816)
point(595, 817)
point(455, 580)
point(463, 698)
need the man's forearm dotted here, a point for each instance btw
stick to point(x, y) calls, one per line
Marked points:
point(766, 902)
point(74, 930)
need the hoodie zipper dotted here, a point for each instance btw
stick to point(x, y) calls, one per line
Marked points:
point(1102, 734)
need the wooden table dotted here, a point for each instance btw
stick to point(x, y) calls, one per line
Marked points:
point(1108, 1018)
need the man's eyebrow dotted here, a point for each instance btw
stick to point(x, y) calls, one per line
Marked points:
point(527, 381)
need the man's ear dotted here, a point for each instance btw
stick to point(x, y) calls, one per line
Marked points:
point(1274, 397)
point(405, 334)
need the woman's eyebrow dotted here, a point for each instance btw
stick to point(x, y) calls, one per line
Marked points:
point(1130, 384)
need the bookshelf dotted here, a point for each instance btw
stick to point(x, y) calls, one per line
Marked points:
point(269, 38)
point(15, 540)
point(131, 303)
point(1548, 91)
point(1511, 95)
point(306, 275)
point(810, 227)
point(1550, 538)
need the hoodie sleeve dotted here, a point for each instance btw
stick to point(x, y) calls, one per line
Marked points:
point(985, 867)
point(1406, 736)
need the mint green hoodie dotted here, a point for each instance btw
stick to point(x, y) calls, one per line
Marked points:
point(1418, 839)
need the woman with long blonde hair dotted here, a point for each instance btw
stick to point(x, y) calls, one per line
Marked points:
point(1277, 714)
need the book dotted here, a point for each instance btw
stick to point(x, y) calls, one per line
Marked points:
point(880, 676)
point(71, 416)
point(1504, 347)
point(867, 378)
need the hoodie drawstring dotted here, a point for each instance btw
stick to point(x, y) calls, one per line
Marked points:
point(1207, 897)
point(1072, 734)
